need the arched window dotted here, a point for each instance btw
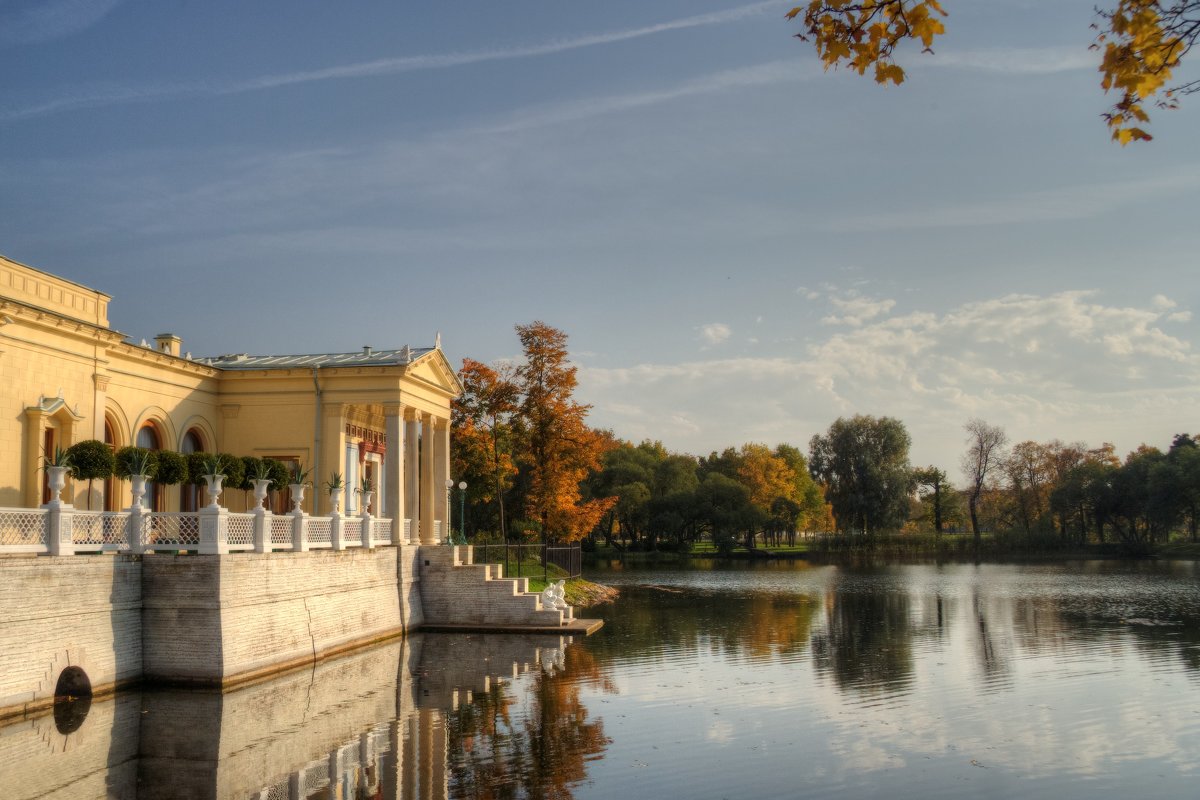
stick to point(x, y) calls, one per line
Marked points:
point(189, 493)
point(111, 501)
point(147, 437)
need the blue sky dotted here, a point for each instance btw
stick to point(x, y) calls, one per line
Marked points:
point(740, 246)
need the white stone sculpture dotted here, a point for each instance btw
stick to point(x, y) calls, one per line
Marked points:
point(554, 596)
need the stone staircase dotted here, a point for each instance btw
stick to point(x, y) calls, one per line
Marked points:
point(455, 591)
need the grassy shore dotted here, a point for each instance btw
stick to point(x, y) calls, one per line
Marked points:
point(906, 546)
point(579, 592)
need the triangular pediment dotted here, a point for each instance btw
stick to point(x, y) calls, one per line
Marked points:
point(434, 369)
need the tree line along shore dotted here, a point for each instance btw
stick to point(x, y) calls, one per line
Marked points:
point(535, 471)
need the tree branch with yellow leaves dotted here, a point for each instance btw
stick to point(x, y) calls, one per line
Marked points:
point(1142, 43)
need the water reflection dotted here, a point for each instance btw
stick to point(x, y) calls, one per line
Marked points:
point(375, 724)
point(866, 643)
point(1071, 681)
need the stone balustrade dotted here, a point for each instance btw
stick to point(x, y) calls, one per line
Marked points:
point(60, 529)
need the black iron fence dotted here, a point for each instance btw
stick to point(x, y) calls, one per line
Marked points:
point(532, 560)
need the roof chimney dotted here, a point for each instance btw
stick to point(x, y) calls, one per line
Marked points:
point(366, 351)
point(168, 343)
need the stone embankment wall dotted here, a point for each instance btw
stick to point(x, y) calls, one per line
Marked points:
point(209, 620)
point(460, 593)
point(60, 612)
point(223, 620)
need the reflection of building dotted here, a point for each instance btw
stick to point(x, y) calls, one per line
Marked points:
point(65, 376)
point(371, 724)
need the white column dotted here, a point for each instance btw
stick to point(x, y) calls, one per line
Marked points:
point(412, 476)
point(429, 487)
point(333, 454)
point(441, 473)
point(391, 492)
point(99, 403)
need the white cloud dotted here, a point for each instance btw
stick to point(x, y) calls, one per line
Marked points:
point(1061, 365)
point(1162, 302)
point(715, 332)
point(857, 310)
point(61, 16)
point(740, 78)
point(1015, 60)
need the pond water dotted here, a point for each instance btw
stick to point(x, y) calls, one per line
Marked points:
point(719, 681)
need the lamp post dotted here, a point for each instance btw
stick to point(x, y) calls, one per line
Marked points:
point(449, 513)
point(462, 510)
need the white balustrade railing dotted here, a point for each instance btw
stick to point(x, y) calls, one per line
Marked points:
point(320, 532)
point(63, 530)
point(24, 530)
point(240, 534)
point(103, 530)
point(281, 531)
point(171, 531)
point(352, 531)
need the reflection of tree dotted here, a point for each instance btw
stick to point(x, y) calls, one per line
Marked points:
point(992, 659)
point(867, 642)
point(480, 741)
point(661, 623)
point(560, 736)
point(1146, 608)
point(541, 755)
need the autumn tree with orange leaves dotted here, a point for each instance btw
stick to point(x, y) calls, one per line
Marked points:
point(558, 450)
point(522, 443)
point(1141, 44)
point(483, 441)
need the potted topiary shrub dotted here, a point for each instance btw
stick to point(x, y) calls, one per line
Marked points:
point(137, 465)
point(213, 466)
point(258, 476)
point(335, 485)
point(56, 464)
point(91, 459)
point(298, 481)
point(365, 491)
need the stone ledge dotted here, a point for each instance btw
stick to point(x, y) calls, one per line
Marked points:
point(575, 627)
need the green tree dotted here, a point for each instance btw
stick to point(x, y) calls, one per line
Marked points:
point(985, 454)
point(938, 495)
point(863, 464)
point(91, 459)
point(1184, 455)
point(723, 507)
point(172, 468)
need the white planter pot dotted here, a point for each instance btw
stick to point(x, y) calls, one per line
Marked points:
point(364, 502)
point(335, 500)
point(297, 490)
point(137, 487)
point(261, 487)
point(214, 489)
point(57, 478)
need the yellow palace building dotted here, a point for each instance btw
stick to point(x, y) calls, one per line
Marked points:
point(66, 376)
